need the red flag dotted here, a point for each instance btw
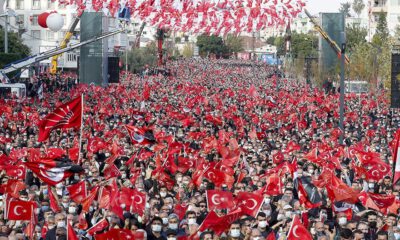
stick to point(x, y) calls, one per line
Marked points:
point(219, 224)
point(134, 198)
point(98, 227)
point(298, 231)
point(77, 192)
point(53, 171)
point(71, 235)
point(381, 200)
point(139, 136)
point(20, 210)
point(250, 203)
point(89, 199)
point(271, 236)
point(73, 154)
point(396, 158)
point(68, 115)
point(13, 187)
point(303, 198)
point(53, 201)
point(118, 234)
point(18, 172)
point(219, 200)
point(180, 210)
point(111, 171)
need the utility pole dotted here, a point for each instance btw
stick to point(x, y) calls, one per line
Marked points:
point(342, 62)
point(6, 30)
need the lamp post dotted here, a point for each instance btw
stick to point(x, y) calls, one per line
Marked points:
point(342, 62)
point(8, 12)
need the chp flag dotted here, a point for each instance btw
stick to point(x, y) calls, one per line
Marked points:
point(68, 115)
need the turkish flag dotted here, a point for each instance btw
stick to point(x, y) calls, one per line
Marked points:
point(271, 236)
point(250, 203)
point(180, 210)
point(78, 191)
point(53, 200)
point(277, 157)
point(73, 154)
point(378, 171)
point(53, 171)
point(54, 153)
point(95, 144)
point(111, 171)
point(18, 172)
point(68, 115)
point(219, 200)
point(117, 234)
point(71, 235)
point(219, 224)
point(298, 231)
point(20, 210)
point(98, 227)
point(133, 198)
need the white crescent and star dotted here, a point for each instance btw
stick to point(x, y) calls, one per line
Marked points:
point(251, 200)
point(214, 199)
point(295, 232)
point(16, 212)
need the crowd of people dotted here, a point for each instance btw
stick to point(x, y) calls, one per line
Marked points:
point(212, 127)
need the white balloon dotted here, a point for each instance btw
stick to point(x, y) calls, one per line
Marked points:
point(55, 22)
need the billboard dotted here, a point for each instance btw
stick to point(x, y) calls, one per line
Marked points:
point(333, 24)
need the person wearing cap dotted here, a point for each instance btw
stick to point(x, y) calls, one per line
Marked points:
point(171, 234)
point(155, 230)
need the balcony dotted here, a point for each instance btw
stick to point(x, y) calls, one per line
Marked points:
point(379, 6)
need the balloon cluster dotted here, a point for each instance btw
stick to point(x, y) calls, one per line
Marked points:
point(54, 21)
point(216, 17)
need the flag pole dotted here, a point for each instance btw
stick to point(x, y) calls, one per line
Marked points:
point(81, 131)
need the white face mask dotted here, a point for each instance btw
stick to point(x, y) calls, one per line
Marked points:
point(267, 213)
point(342, 221)
point(71, 209)
point(371, 185)
point(267, 200)
point(61, 224)
point(280, 217)
point(191, 221)
point(163, 194)
point(262, 224)
point(156, 228)
point(173, 226)
point(165, 221)
point(235, 233)
point(171, 238)
point(288, 214)
point(397, 236)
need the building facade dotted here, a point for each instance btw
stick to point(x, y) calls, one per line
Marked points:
point(392, 10)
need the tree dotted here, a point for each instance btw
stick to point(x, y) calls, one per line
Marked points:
point(355, 34)
point(211, 44)
point(304, 45)
point(139, 57)
point(234, 43)
point(16, 48)
point(279, 43)
point(358, 6)
point(271, 40)
point(382, 33)
point(345, 9)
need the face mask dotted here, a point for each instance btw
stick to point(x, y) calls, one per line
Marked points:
point(173, 226)
point(267, 200)
point(310, 171)
point(45, 208)
point(156, 228)
point(178, 179)
point(171, 238)
point(71, 209)
point(371, 185)
point(165, 221)
point(288, 214)
point(123, 176)
point(235, 233)
point(90, 208)
point(397, 236)
point(312, 231)
point(342, 221)
point(65, 205)
point(267, 213)
point(45, 192)
point(262, 224)
point(280, 217)
point(163, 194)
point(191, 221)
point(37, 192)
point(61, 224)
point(38, 235)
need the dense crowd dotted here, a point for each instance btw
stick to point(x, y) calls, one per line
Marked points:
point(212, 126)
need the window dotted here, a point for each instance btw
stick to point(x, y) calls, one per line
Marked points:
point(19, 4)
point(49, 35)
point(35, 20)
point(61, 34)
point(51, 4)
point(20, 20)
point(35, 34)
point(71, 57)
point(36, 4)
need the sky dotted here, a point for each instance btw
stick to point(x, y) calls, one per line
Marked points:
point(316, 6)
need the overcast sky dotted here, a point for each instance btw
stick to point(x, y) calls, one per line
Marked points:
point(316, 6)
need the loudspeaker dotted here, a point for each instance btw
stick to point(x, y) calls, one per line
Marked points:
point(395, 80)
point(113, 69)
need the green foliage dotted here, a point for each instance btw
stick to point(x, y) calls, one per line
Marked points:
point(355, 34)
point(345, 8)
point(271, 40)
point(358, 6)
point(234, 43)
point(279, 43)
point(382, 33)
point(16, 47)
point(304, 45)
point(211, 44)
point(139, 57)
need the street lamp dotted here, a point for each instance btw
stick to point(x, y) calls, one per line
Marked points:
point(8, 13)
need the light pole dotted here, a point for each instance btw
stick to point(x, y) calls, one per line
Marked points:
point(8, 12)
point(342, 61)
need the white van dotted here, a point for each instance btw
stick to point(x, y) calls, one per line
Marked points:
point(7, 90)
